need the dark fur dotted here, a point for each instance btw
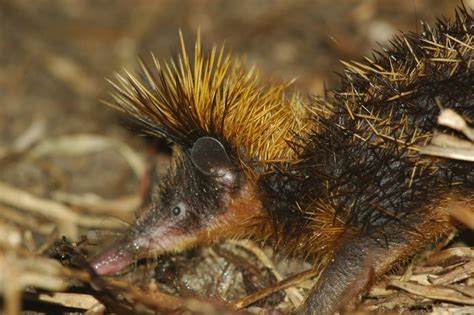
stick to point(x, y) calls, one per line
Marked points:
point(370, 183)
point(184, 183)
point(359, 192)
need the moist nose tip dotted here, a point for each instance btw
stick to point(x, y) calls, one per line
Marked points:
point(100, 261)
point(111, 260)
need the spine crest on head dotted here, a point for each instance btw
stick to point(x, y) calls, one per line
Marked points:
point(213, 95)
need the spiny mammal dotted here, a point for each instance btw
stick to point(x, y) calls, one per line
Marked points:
point(346, 187)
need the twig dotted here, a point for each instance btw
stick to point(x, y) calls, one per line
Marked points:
point(29, 137)
point(79, 144)
point(77, 300)
point(26, 221)
point(433, 292)
point(67, 220)
point(120, 208)
point(450, 153)
point(453, 120)
point(450, 147)
point(281, 285)
point(293, 294)
point(463, 214)
point(458, 274)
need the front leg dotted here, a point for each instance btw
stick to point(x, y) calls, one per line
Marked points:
point(362, 259)
point(350, 272)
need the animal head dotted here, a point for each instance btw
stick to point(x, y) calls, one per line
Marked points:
point(227, 129)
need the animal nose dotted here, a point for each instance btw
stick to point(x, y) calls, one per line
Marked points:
point(113, 259)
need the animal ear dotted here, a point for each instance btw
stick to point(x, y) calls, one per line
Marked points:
point(210, 158)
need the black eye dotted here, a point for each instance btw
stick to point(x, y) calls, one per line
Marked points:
point(179, 210)
point(176, 211)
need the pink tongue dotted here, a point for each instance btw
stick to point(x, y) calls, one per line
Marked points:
point(112, 260)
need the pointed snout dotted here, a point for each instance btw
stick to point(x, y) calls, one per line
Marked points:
point(148, 238)
point(114, 258)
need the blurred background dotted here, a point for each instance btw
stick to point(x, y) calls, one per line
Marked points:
point(65, 157)
point(55, 56)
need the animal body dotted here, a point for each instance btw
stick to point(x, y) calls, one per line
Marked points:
point(338, 180)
